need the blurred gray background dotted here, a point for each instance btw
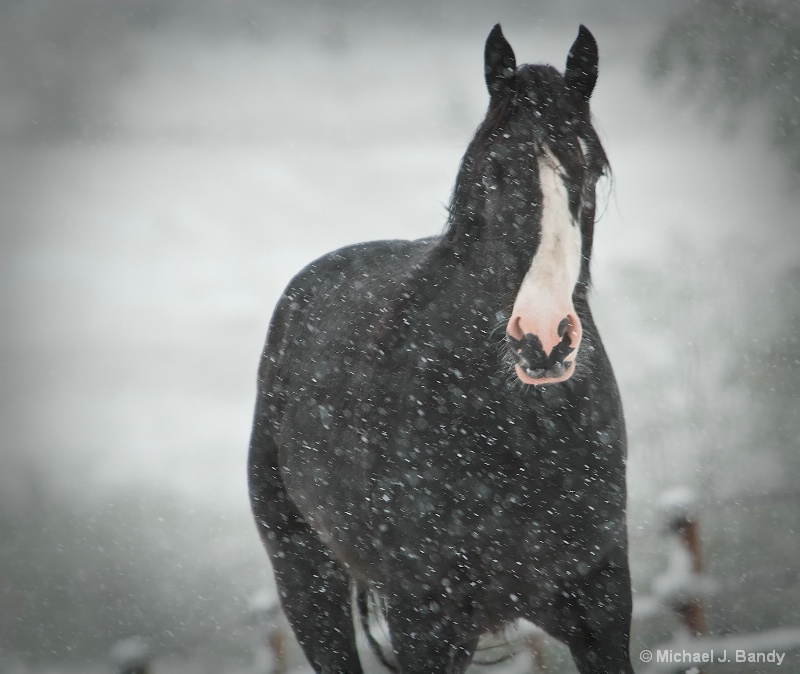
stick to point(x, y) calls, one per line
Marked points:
point(165, 168)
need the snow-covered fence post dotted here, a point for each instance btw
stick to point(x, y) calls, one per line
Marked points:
point(534, 642)
point(276, 639)
point(682, 586)
point(533, 639)
point(131, 656)
point(682, 589)
point(271, 656)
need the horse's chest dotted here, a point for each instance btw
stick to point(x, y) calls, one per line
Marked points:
point(489, 532)
point(424, 483)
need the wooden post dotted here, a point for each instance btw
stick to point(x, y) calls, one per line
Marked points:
point(276, 642)
point(680, 587)
point(534, 643)
point(272, 644)
point(693, 613)
point(131, 656)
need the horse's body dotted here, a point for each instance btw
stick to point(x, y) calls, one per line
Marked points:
point(402, 444)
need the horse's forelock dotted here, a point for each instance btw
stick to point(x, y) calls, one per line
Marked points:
point(556, 123)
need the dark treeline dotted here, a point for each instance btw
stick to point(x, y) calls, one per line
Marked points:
point(733, 55)
point(59, 58)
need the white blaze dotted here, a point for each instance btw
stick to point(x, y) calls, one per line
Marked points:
point(556, 266)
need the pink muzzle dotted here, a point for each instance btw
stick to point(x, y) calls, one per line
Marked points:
point(545, 343)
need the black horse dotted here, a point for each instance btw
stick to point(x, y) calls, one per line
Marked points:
point(437, 421)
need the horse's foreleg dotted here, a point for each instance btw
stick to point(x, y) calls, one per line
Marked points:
point(314, 588)
point(424, 639)
point(594, 620)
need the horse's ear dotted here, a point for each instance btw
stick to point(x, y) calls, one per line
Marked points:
point(581, 72)
point(499, 63)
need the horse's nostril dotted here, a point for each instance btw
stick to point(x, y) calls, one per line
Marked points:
point(529, 349)
point(514, 329)
point(534, 359)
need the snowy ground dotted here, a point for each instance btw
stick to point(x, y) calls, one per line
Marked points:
point(143, 268)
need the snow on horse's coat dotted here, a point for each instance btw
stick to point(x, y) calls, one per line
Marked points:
point(437, 423)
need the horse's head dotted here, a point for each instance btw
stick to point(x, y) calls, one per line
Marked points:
point(528, 183)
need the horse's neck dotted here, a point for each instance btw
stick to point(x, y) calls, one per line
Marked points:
point(441, 281)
